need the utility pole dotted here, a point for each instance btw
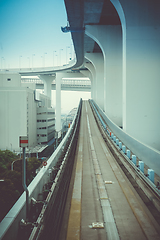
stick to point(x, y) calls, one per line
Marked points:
point(24, 143)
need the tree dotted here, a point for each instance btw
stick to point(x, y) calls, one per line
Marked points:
point(9, 195)
point(32, 164)
point(11, 187)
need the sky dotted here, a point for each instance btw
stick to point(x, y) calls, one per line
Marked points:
point(70, 99)
point(31, 36)
point(30, 33)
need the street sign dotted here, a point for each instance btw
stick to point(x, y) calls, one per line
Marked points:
point(44, 163)
point(23, 141)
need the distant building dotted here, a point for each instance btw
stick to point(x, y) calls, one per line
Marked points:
point(23, 112)
point(45, 119)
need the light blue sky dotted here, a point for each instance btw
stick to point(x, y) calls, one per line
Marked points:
point(30, 30)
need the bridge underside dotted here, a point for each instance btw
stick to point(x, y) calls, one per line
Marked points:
point(120, 47)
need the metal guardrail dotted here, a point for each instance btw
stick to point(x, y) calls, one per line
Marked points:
point(147, 186)
point(150, 156)
point(69, 82)
point(49, 220)
point(14, 226)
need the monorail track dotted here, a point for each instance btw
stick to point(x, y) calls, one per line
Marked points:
point(106, 195)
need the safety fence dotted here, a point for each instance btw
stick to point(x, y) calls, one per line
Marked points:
point(47, 181)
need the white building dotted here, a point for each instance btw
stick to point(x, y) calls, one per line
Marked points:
point(45, 119)
point(19, 112)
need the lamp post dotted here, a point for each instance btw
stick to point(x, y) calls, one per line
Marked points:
point(4, 60)
point(57, 59)
point(13, 163)
point(1, 63)
point(66, 55)
point(44, 59)
point(71, 50)
point(29, 61)
point(20, 61)
point(53, 57)
point(60, 56)
point(32, 59)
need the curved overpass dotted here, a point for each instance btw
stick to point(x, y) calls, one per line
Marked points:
point(120, 48)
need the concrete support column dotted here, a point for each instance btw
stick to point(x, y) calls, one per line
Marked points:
point(58, 103)
point(109, 39)
point(141, 57)
point(98, 62)
point(47, 80)
point(91, 69)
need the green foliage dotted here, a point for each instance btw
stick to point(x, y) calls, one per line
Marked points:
point(6, 157)
point(11, 188)
point(32, 164)
point(9, 196)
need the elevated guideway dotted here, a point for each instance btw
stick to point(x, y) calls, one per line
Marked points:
point(102, 201)
point(66, 84)
point(105, 196)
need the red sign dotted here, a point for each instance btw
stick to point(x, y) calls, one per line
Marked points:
point(44, 163)
point(23, 141)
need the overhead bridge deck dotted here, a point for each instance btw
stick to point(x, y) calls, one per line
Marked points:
point(101, 202)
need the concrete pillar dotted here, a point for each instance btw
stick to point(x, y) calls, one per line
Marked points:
point(47, 80)
point(109, 38)
point(58, 103)
point(91, 68)
point(141, 69)
point(98, 63)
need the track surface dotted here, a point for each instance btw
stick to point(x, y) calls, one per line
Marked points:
point(100, 193)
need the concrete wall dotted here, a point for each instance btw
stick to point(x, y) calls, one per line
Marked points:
point(13, 117)
point(109, 38)
point(150, 156)
point(18, 114)
point(32, 119)
point(140, 22)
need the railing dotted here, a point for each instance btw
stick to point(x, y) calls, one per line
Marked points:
point(68, 82)
point(148, 155)
point(14, 226)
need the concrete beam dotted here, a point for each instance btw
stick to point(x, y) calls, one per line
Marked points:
point(98, 63)
point(109, 38)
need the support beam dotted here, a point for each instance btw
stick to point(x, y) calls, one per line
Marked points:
point(109, 38)
point(58, 103)
point(91, 69)
point(47, 79)
point(141, 71)
point(98, 62)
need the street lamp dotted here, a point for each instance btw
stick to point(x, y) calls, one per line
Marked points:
point(2, 63)
point(4, 60)
point(44, 59)
point(71, 50)
point(32, 59)
point(20, 61)
point(29, 61)
point(13, 163)
point(57, 59)
point(60, 56)
point(66, 54)
point(53, 57)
